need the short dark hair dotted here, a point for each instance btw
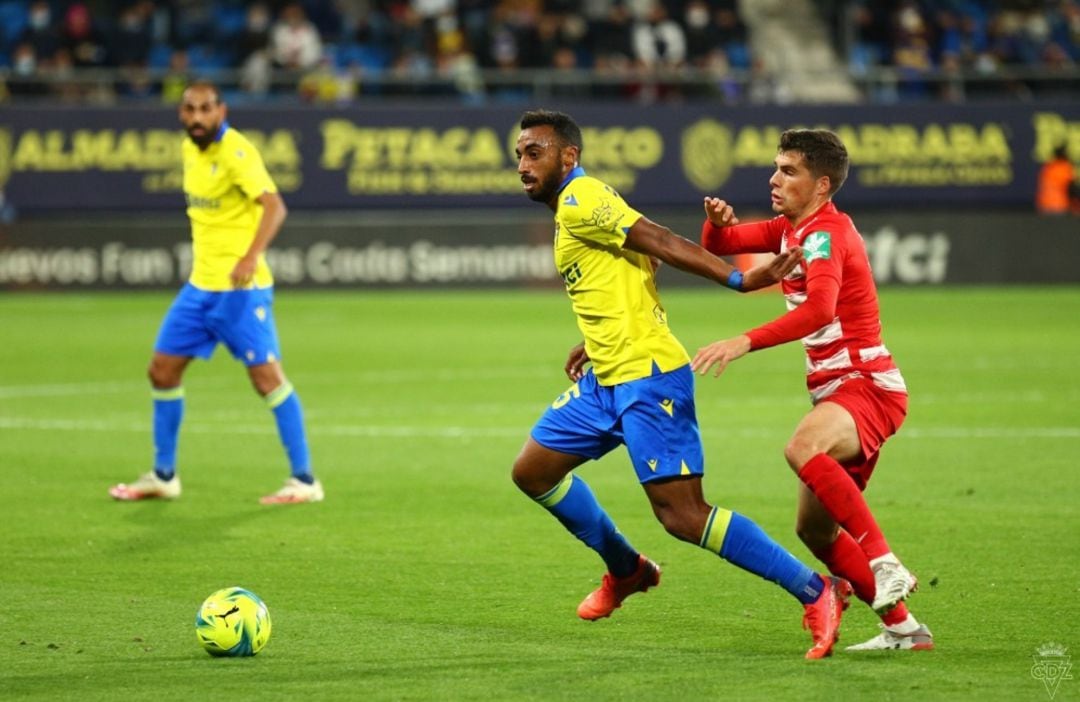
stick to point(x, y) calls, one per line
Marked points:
point(564, 125)
point(824, 153)
point(206, 85)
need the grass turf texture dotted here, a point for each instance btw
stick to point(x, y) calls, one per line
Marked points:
point(426, 575)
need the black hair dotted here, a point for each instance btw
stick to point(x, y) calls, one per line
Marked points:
point(564, 125)
point(824, 153)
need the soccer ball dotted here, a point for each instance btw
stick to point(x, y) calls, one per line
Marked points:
point(232, 622)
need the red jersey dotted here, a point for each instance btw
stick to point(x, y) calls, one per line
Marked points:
point(831, 298)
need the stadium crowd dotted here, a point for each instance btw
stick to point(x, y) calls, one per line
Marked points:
point(332, 50)
point(989, 40)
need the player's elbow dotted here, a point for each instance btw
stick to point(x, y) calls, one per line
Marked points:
point(280, 208)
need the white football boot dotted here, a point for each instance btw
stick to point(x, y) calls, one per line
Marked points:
point(147, 487)
point(293, 492)
point(892, 584)
point(889, 640)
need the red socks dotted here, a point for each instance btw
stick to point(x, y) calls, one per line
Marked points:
point(839, 494)
point(844, 558)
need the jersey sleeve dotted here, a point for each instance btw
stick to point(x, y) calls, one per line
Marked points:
point(822, 253)
point(599, 215)
point(753, 237)
point(248, 170)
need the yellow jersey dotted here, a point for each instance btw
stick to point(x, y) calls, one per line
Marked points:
point(220, 186)
point(612, 289)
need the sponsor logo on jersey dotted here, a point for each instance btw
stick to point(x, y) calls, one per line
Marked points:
point(817, 245)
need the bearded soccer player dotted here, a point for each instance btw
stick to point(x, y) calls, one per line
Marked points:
point(858, 394)
point(639, 390)
point(235, 213)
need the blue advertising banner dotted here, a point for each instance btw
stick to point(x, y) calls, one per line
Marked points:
point(446, 157)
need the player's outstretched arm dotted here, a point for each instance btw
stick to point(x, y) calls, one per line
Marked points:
point(575, 362)
point(659, 242)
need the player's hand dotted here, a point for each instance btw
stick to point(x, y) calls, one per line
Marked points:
point(575, 362)
point(772, 272)
point(719, 212)
point(720, 354)
point(243, 273)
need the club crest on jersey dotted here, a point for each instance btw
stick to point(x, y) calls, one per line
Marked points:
point(817, 245)
point(603, 217)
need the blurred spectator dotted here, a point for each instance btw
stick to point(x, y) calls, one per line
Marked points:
point(255, 36)
point(294, 41)
point(658, 40)
point(131, 44)
point(41, 33)
point(82, 38)
point(710, 30)
point(25, 80)
point(455, 62)
point(176, 79)
point(629, 46)
point(63, 86)
point(1058, 192)
point(253, 51)
point(610, 37)
point(190, 22)
point(911, 52)
point(566, 81)
point(326, 85)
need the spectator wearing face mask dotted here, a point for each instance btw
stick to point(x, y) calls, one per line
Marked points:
point(41, 33)
point(25, 79)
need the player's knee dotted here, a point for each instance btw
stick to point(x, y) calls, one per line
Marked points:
point(526, 479)
point(681, 525)
point(798, 451)
point(161, 376)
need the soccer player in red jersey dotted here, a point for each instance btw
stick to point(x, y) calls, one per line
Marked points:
point(858, 394)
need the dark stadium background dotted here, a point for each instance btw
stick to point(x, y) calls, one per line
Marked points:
point(389, 127)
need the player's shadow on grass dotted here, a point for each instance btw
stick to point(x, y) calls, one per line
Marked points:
point(164, 525)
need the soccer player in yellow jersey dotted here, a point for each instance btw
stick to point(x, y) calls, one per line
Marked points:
point(639, 389)
point(235, 213)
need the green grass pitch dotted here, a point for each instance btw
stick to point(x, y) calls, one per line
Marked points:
point(425, 575)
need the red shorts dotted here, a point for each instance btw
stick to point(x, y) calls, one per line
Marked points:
point(878, 415)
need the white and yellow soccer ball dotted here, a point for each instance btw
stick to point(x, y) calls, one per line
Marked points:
point(233, 622)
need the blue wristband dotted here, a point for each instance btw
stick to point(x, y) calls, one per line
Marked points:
point(734, 281)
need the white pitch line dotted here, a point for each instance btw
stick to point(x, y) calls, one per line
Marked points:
point(458, 432)
point(66, 389)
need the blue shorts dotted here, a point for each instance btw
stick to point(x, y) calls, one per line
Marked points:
point(243, 320)
point(655, 417)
